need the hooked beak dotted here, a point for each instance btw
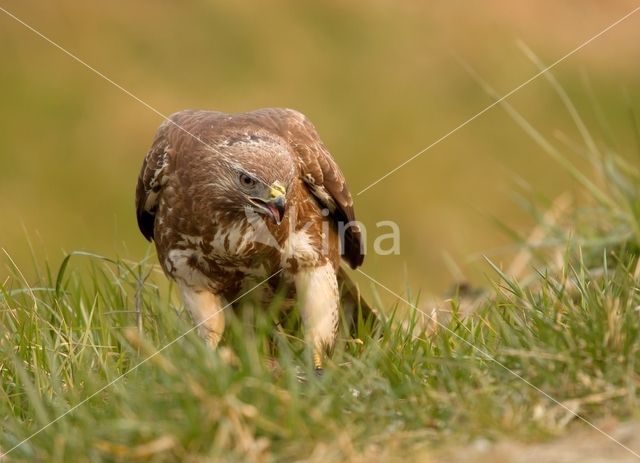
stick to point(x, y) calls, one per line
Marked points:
point(274, 204)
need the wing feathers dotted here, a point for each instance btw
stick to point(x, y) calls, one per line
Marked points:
point(325, 180)
point(152, 178)
point(317, 168)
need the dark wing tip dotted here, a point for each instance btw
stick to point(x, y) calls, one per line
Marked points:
point(352, 250)
point(355, 260)
point(146, 223)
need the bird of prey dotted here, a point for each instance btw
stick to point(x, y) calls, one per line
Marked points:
point(231, 199)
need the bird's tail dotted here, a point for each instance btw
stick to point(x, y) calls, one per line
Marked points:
point(354, 304)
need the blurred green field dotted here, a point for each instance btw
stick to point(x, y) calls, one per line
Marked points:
point(381, 80)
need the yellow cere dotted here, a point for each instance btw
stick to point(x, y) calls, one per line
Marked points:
point(277, 190)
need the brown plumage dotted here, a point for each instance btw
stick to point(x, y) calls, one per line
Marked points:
point(231, 199)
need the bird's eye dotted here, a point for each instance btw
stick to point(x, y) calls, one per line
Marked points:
point(247, 181)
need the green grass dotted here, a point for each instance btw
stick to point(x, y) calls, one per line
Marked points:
point(94, 365)
point(572, 332)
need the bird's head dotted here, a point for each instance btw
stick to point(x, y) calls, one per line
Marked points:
point(265, 198)
point(259, 171)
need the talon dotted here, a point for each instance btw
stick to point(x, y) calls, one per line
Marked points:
point(317, 360)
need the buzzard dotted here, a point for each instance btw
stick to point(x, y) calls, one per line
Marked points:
point(233, 199)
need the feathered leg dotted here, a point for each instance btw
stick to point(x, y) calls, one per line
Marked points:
point(318, 296)
point(207, 312)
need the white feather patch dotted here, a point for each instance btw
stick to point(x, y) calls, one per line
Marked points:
point(177, 262)
point(298, 246)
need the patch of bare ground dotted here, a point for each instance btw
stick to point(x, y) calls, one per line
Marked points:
point(582, 444)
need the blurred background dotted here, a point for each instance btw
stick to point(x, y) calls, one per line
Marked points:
point(381, 80)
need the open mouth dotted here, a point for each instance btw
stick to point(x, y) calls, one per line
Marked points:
point(274, 208)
